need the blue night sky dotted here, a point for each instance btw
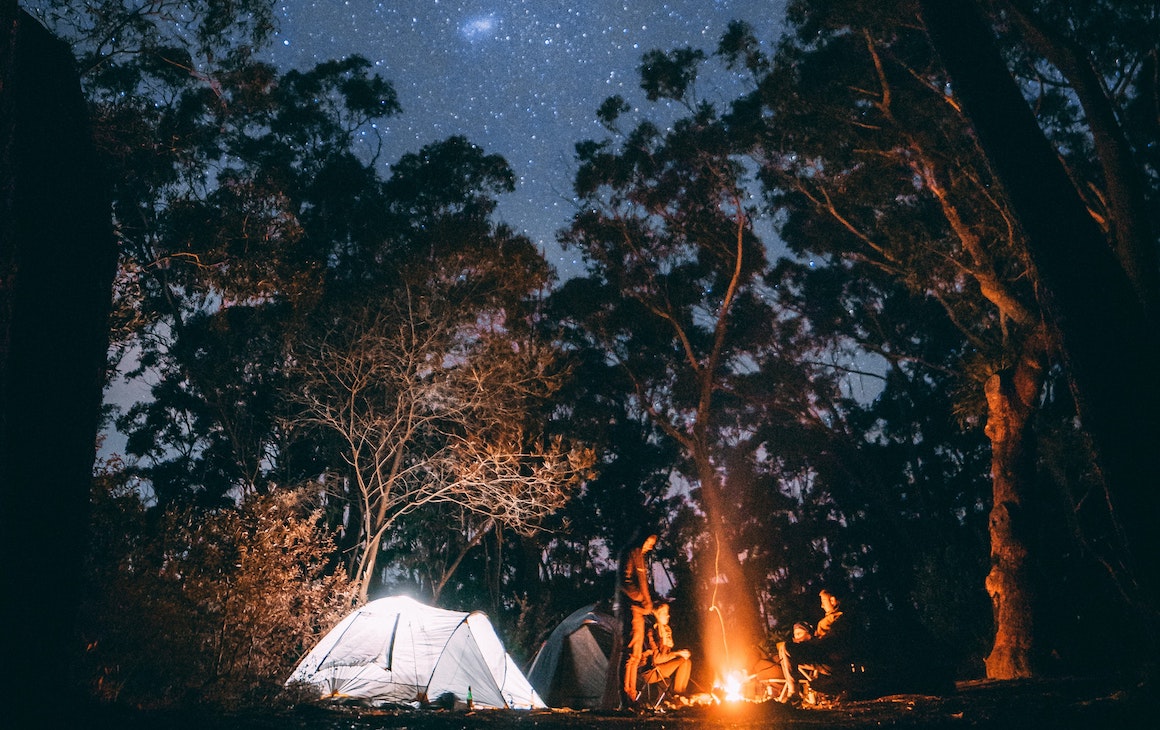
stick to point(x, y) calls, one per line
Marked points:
point(520, 78)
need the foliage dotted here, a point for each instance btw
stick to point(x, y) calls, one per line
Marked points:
point(197, 608)
point(427, 408)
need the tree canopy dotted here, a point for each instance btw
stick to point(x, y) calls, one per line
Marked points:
point(823, 335)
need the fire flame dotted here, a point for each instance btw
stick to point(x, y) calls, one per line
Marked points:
point(730, 687)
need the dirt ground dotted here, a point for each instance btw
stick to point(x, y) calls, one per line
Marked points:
point(1019, 705)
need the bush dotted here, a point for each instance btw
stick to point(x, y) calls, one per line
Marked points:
point(190, 607)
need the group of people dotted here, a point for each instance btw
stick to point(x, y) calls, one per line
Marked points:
point(819, 651)
point(649, 656)
point(648, 649)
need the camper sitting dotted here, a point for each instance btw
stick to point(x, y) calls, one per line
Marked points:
point(661, 661)
point(829, 648)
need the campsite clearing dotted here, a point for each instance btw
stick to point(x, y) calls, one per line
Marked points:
point(1066, 704)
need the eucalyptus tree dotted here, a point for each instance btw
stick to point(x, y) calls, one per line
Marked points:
point(427, 410)
point(867, 153)
point(1088, 227)
point(681, 326)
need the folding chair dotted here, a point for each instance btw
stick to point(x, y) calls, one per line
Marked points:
point(654, 692)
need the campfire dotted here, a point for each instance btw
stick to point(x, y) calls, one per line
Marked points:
point(730, 687)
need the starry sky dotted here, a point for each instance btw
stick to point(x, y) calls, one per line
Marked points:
point(519, 78)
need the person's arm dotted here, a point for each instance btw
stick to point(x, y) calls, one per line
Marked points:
point(630, 577)
point(640, 576)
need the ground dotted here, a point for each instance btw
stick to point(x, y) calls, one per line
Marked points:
point(1019, 705)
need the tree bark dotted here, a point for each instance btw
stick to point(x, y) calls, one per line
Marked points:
point(1012, 396)
point(731, 626)
point(1087, 294)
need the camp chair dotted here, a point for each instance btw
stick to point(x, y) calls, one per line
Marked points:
point(808, 673)
point(654, 692)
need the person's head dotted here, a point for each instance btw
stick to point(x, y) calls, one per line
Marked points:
point(802, 631)
point(830, 600)
point(661, 611)
point(650, 541)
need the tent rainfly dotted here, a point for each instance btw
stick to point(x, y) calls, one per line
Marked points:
point(571, 668)
point(398, 651)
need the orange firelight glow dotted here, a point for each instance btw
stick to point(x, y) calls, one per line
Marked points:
point(730, 687)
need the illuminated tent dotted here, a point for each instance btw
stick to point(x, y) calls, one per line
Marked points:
point(398, 651)
point(571, 668)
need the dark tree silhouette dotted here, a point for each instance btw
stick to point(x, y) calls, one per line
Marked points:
point(1120, 406)
point(57, 258)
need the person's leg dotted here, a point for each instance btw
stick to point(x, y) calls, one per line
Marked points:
point(788, 668)
point(633, 651)
point(681, 677)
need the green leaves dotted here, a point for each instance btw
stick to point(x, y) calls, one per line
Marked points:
point(671, 74)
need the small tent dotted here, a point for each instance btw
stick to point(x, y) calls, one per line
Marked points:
point(571, 668)
point(399, 651)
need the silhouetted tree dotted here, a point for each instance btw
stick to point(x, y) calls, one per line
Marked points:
point(57, 257)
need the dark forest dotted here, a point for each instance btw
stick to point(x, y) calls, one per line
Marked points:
point(885, 322)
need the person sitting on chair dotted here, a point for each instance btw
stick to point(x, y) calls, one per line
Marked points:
point(767, 671)
point(662, 661)
point(830, 645)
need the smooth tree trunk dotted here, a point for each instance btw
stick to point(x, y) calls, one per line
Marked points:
point(731, 625)
point(57, 261)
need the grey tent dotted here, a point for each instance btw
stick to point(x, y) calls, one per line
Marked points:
point(571, 668)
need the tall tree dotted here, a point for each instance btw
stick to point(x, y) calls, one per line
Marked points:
point(428, 411)
point(873, 168)
point(1119, 412)
point(906, 188)
point(56, 262)
point(673, 300)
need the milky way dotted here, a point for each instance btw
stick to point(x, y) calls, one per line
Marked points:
point(521, 78)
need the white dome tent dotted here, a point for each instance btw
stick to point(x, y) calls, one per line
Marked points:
point(398, 651)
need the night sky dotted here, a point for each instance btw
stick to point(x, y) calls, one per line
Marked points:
point(521, 78)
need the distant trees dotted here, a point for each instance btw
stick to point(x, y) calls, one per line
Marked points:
point(266, 253)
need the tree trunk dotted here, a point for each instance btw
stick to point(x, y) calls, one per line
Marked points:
point(1012, 395)
point(57, 260)
point(1089, 297)
point(731, 627)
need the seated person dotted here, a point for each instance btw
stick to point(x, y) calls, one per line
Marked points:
point(830, 645)
point(660, 660)
point(767, 669)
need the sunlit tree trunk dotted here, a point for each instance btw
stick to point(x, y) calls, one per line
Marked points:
point(1012, 395)
point(732, 624)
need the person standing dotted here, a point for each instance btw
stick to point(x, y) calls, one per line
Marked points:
point(633, 606)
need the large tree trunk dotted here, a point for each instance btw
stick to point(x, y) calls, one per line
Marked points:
point(57, 259)
point(1135, 243)
point(731, 627)
point(1088, 295)
point(1012, 396)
